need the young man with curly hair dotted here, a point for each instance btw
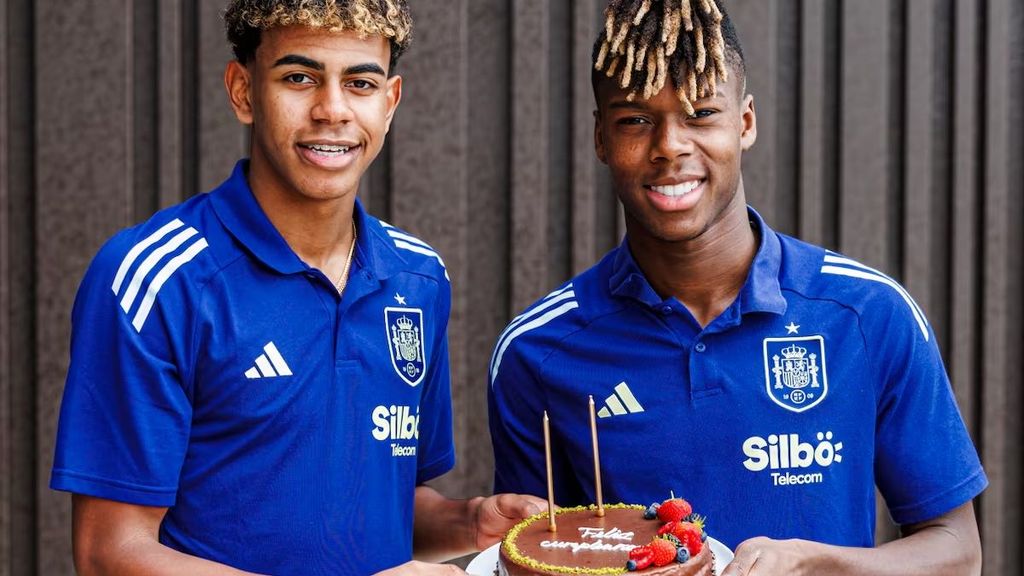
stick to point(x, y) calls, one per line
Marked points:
point(772, 383)
point(259, 376)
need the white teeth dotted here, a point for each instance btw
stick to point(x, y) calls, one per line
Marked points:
point(328, 148)
point(677, 189)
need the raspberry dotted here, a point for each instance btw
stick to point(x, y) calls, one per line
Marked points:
point(691, 540)
point(667, 528)
point(674, 510)
point(641, 556)
point(679, 528)
point(664, 552)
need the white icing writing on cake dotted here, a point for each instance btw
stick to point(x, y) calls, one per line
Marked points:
point(599, 535)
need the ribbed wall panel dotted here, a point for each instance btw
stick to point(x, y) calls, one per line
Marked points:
point(890, 130)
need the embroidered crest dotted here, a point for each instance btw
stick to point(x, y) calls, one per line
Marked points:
point(794, 371)
point(405, 335)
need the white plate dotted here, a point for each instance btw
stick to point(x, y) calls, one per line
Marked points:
point(486, 561)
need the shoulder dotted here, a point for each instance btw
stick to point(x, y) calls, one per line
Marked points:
point(157, 261)
point(415, 255)
point(822, 274)
point(542, 327)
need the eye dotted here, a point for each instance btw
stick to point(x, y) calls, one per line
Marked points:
point(362, 84)
point(703, 113)
point(298, 78)
point(633, 121)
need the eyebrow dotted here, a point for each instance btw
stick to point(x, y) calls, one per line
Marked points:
point(626, 104)
point(295, 59)
point(368, 68)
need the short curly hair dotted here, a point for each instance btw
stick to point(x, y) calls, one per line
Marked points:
point(244, 20)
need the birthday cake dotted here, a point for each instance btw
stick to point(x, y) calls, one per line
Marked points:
point(659, 539)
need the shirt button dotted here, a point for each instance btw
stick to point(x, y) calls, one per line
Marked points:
point(700, 347)
point(666, 310)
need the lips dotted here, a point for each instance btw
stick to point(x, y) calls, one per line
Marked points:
point(332, 155)
point(674, 196)
point(675, 190)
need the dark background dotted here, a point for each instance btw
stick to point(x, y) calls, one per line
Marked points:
point(890, 130)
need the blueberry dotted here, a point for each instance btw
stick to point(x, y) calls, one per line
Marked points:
point(631, 565)
point(651, 512)
point(682, 555)
point(703, 536)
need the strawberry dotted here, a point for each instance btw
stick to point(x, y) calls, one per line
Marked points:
point(664, 552)
point(674, 510)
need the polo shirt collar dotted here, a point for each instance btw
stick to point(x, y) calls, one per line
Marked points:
point(760, 293)
point(237, 208)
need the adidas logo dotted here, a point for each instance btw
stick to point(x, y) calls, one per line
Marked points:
point(619, 403)
point(270, 364)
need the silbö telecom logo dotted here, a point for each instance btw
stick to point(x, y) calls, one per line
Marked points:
point(785, 453)
point(399, 425)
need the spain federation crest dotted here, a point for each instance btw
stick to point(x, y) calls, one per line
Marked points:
point(794, 371)
point(405, 338)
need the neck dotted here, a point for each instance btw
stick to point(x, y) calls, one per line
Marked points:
point(319, 231)
point(706, 273)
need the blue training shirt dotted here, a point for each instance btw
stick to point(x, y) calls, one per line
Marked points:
point(777, 419)
point(215, 373)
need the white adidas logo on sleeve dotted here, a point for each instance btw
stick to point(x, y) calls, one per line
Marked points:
point(270, 364)
point(620, 402)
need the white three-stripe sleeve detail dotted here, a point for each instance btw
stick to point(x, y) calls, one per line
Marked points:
point(527, 327)
point(149, 263)
point(410, 239)
point(531, 311)
point(158, 281)
point(527, 315)
point(425, 251)
point(129, 259)
point(853, 273)
point(277, 360)
point(835, 259)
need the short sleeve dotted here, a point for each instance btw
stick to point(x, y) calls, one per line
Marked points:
point(125, 415)
point(925, 463)
point(516, 404)
point(436, 449)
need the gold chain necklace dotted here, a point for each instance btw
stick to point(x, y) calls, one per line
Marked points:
point(343, 281)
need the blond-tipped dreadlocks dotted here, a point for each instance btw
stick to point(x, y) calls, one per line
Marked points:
point(245, 19)
point(646, 42)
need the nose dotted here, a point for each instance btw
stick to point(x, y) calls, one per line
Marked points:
point(671, 140)
point(332, 105)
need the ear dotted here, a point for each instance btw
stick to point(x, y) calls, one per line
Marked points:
point(238, 82)
point(394, 95)
point(749, 119)
point(602, 153)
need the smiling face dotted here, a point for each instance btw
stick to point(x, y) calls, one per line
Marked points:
point(677, 175)
point(320, 104)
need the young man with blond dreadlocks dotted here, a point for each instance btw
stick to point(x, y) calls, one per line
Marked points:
point(772, 383)
point(259, 376)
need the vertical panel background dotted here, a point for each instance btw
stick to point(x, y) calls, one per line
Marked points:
point(890, 130)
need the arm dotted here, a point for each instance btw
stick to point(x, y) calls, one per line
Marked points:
point(947, 545)
point(445, 528)
point(117, 538)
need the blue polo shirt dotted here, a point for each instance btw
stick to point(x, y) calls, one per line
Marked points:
point(215, 373)
point(778, 418)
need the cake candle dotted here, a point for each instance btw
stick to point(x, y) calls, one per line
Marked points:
point(597, 460)
point(551, 485)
